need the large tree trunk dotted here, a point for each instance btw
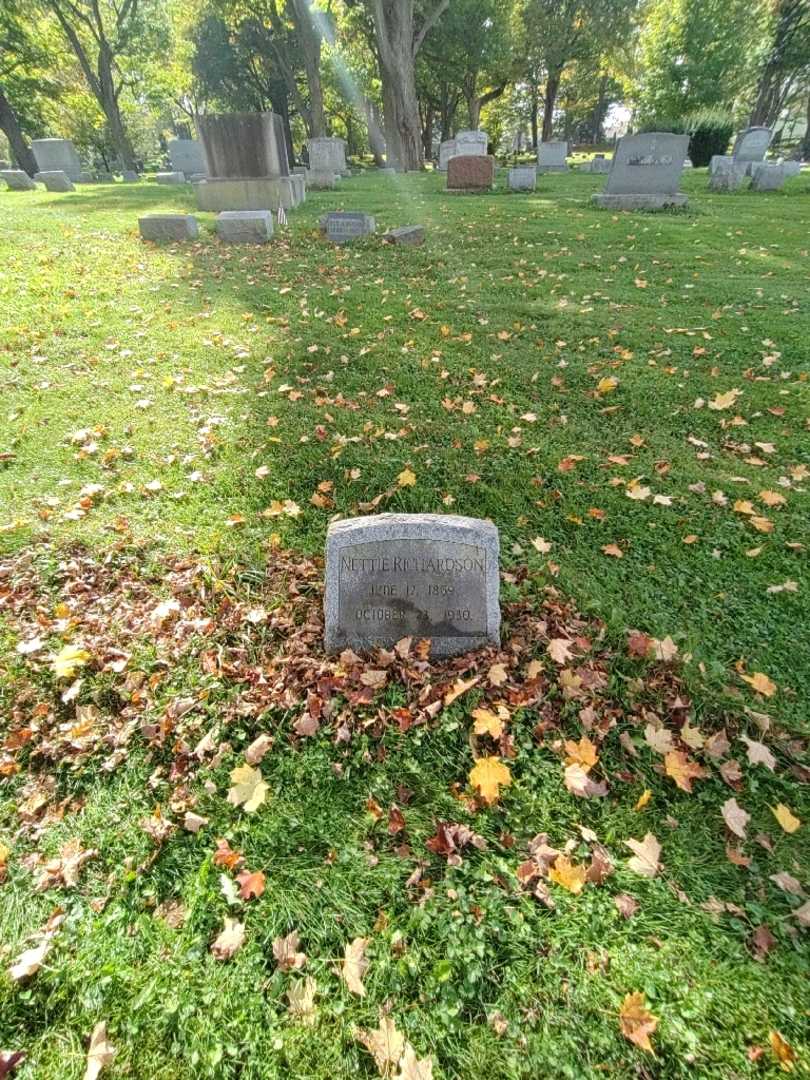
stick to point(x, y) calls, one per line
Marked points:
point(804, 148)
point(376, 139)
point(535, 113)
point(309, 36)
point(549, 100)
point(10, 125)
point(397, 47)
point(427, 132)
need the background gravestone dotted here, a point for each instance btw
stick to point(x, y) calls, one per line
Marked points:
point(328, 154)
point(390, 576)
point(342, 226)
point(18, 180)
point(168, 227)
point(551, 157)
point(57, 155)
point(55, 180)
point(248, 166)
point(187, 156)
point(751, 146)
point(470, 172)
point(522, 178)
point(645, 173)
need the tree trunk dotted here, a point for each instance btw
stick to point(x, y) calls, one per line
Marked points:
point(427, 133)
point(280, 103)
point(309, 36)
point(376, 139)
point(535, 113)
point(804, 149)
point(549, 100)
point(10, 125)
point(599, 111)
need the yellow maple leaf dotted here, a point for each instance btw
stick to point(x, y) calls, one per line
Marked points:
point(636, 1021)
point(459, 687)
point(761, 683)
point(407, 478)
point(583, 753)
point(568, 874)
point(783, 1051)
point(683, 771)
point(606, 385)
point(249, 789)
point(487, 723)
point(724, 401)
point(788, 820)
point(68, 660)
point(487, 776)
point(643, 799)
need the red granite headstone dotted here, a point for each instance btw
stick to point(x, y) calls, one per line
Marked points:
point(470, 172)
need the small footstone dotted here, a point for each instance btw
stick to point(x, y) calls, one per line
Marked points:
point(390, 576)
point(245, 226)
point(405, 234)
point(170, 178)
point(342, 226)
point(18, 180)
point(522, 178)
point(55, 180)
point(169, 227)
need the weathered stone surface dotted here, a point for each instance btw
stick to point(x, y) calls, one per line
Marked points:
point(18, 180)
point(551, 157)
point(412, 235)
point(245, 226)
point(242, 146)
point(432, 576)
point(187, 156)
point(298, 184)
point(129, 176)
point(328, 154)
point(470, 172)
point(168, 227)
point(765, 177)
point(170, 178)
point(721, 163)
point(792, 168)
point(645, 173)
point(597, 164)
point(342, 226)
point(320, 180)
point(522, 178)
point(727, 178)
point(57, 155)
point(447, 149)
point(751, 145)
point(466, 142)
point(259, 193)
point(197, 177)
point(55, 180)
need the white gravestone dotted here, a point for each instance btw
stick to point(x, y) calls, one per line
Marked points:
point(765, 177)
point(328, 154)
point(170, 178)
point(551, 157)
point(434, 576)
point(645, 173)
point(522, 178)
point(187, 156)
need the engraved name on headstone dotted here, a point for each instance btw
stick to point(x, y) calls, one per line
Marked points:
point(345, 225)
point(390, 576)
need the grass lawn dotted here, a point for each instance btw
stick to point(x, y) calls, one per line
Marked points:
point(626, 397)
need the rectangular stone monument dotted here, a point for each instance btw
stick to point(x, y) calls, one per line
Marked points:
point(168, 227)
point(472, 142)
point(471, 172)
point(406, 235)
point(248, 166)
point(251, 193)
point(727, 179)
point(328, 154)
point(18, 180)
point(54, 155)
point(170, 178)
point(766, 177)
point(187, 156)
point(645, 173)
point(245, 226)
point(55, 180)
point(447, 149)
point(597, 164)
point(434, 576)
point(342, 226)
point(522, 178)
point(319, 180)
point(551, 157)
point(792, 168)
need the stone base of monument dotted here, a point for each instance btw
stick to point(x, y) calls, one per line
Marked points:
point(18, 180)
point(249, 193)
point(411, 235)
point(196, 177)
point(552, 168)
point(322, 179)
point(165, 228)
point(170, 178)
point(640, 202)
point(86, 178)
point(424, 576)
point(245, 226)
point(729, 178)
point(55, 180)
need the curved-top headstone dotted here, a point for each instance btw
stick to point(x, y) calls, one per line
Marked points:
point(57, 155)
point(752, 145)
point(390, 576)
point(645, 172)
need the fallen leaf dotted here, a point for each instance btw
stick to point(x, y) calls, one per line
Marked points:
point(636, 1021)
point(249, 790)
point(724, 401)
point(459, 687)
point(626, 905)
point(301, 999)
point(385, 1044)
point(614, 550)
point(759, 754)
point(735, 817)
point(68, 661)
point(29, 962)
point(568, 874)
point(413, 1068)
point(582, 753)
point(100, 1053)
point(251, 885)
point(783, 1051)
point(355, 966)
point(559, 649)
point(257, 749)
point(761, 683)
point(229, 940)
point(579, 783)
point(682, 770)
point(647, 852)
point(487, 776)
point(407, 478)
point(487, 723)
point(285, 951)
point(786, 818)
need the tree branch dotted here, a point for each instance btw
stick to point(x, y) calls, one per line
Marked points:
point(429, 23)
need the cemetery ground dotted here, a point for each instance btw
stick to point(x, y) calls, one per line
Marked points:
point(626, 398)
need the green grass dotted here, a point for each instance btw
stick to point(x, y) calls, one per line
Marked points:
point(195, 365)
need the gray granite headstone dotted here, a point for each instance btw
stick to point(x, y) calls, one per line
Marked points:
point(409, 235)
point(55, 180)
point(57, 154)
point(551, 157)
point(645, 172)
point(727, 178)
point(168, 227)
point(390, 576)
point(522, 178)
point(170, 178)
point(752, 145)
point(245, 226)
point(18, 180)
point(129, 176)
point(187, 156)
point(766, 177)
point(342, 226)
